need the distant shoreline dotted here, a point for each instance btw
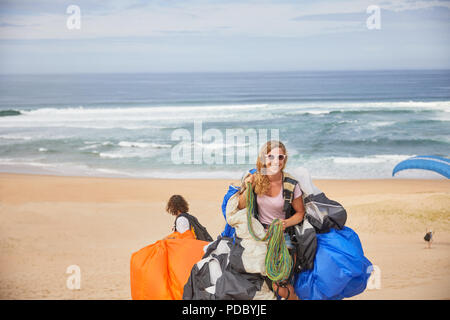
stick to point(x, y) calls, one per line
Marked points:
point(231, 176)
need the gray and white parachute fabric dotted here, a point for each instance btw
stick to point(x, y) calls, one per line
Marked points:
point(232, 270)
point(332, 264)
point(321, 215)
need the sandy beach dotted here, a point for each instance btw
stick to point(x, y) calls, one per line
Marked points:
point(48, 223)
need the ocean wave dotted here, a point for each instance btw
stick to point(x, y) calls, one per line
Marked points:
point(113, 172)
point(114, 155)
point(307, 112)
point(391, 142)
point(59, 169)
point(440, 105)
point(22, 162)
point(377, 124)
point(127, 117)
point(362, 108)
point(381, 110)
point(221, 145)
point(124, 144)
point(143, 153)
point(361, 111)
point(15, 137)
point(427, 121)
point(89, 147)
point(371, 159)
point(156, 118)
point(140, 110)
point(128, 144)
point(312, 108)
point(9, 113)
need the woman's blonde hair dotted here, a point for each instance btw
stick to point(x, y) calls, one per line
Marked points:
point(262, 182)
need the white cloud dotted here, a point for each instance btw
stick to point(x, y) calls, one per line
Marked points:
point(268, 19)
point(413, 5)
point(236, 35)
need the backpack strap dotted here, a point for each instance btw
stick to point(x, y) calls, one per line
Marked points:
point(289, 184)
point(197, 228)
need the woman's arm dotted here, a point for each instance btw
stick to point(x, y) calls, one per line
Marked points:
point(297, 217)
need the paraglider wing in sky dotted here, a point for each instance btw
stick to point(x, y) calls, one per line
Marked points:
point(433, 163)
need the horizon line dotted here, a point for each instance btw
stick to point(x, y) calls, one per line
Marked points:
point(228, 72)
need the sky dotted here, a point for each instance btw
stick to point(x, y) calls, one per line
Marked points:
point(130, 36)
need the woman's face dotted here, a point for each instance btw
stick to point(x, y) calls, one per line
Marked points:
point(274, 161)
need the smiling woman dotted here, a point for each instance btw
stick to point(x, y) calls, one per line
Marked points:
point(269, 182)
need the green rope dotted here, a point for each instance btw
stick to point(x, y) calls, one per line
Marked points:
point(278, 261)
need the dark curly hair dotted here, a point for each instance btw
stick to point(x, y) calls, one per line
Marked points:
point(177, 203)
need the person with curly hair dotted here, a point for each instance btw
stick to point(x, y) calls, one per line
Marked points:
point(178, 206)
point(267, 184)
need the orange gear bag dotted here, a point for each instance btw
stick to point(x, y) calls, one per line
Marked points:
point(159, 271)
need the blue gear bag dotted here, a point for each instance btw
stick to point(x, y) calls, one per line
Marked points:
point(340, 268)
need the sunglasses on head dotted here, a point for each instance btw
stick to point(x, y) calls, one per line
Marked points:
point(272, 157)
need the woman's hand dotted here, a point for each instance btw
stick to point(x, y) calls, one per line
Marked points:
point(292, 221)
point(243, 195)
point(298, 216)
point(251, 179)
point(284, 224)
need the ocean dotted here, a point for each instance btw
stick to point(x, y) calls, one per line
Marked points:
point(339, 125)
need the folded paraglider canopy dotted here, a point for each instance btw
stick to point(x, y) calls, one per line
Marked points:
point(160, 270)
point(340, 268)
point(231, 269)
